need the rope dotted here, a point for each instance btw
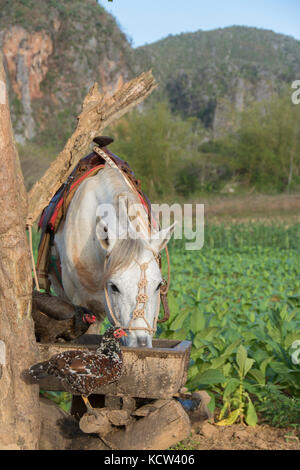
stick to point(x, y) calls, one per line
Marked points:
point(29, 227)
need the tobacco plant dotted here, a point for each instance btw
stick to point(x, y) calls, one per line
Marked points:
point(238, 301)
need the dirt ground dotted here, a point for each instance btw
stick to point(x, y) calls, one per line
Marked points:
point(252, 207)
point(240, 437)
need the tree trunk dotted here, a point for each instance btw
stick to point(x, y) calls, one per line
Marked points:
point(19, 402)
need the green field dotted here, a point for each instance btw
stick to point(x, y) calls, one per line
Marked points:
point(238, 301)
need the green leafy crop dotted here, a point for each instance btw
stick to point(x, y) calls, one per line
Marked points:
point(238, 301)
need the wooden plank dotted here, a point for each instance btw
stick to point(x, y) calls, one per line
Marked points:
point(158, 344)
point(181, 345)
point(184, 346)
point(174, 345)
point(161, 348)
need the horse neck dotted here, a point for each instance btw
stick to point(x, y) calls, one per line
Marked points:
point(112, 186)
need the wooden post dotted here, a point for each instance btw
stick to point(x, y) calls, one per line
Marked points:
point(19, 403)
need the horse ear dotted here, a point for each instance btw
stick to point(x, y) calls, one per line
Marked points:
point(103, 140)
point(159, 241)
point(104, 234)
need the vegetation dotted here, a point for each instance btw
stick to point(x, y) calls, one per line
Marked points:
point(198, 72)
point(156, 143)
point(35, 159)
point(238, 302)
point(277, 408)
point(28, 14)
point(87, 47)
point(264, 151)
point(174, 157)
point(188, 139)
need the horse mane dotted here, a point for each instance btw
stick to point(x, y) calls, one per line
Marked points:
point(126, 250)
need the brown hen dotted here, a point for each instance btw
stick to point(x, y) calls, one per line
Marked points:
point(83, 372)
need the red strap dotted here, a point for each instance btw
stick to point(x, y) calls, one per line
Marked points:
point(52, 220)
point(153, 221)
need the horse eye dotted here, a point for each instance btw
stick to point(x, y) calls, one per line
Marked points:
point(114, 288)
point(159, 285)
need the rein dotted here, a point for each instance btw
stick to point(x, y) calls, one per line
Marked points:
point(29, 228)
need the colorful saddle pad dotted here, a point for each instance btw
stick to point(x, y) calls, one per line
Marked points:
point(56, 210)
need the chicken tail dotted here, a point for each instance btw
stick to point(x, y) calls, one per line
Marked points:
point(38, 371)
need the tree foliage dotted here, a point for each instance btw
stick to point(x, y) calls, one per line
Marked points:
point(265, 150)
point(155, 143)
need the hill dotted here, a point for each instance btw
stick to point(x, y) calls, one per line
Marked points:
point(210, 74)
point(54, 50)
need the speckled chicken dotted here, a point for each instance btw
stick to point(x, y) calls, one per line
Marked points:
point(56, 320)
point(83, 372)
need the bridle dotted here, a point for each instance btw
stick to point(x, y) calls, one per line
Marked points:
point(141, 298)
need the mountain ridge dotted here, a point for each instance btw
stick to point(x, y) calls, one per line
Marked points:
point(209, 74)
point(54, 50)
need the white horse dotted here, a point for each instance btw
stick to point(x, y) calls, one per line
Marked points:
point(94, 255)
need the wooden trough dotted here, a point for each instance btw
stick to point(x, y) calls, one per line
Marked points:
point(157, 372)
point(139, 410)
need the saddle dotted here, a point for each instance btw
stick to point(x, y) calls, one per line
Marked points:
point(56, 211)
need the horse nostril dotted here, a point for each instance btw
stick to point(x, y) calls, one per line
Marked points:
point(142, 341)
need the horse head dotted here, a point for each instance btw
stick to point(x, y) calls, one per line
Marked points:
point(132, 276)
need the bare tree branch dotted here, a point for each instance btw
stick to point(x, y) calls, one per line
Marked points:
point(98, 112)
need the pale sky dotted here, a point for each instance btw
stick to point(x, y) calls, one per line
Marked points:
point(146, 21)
